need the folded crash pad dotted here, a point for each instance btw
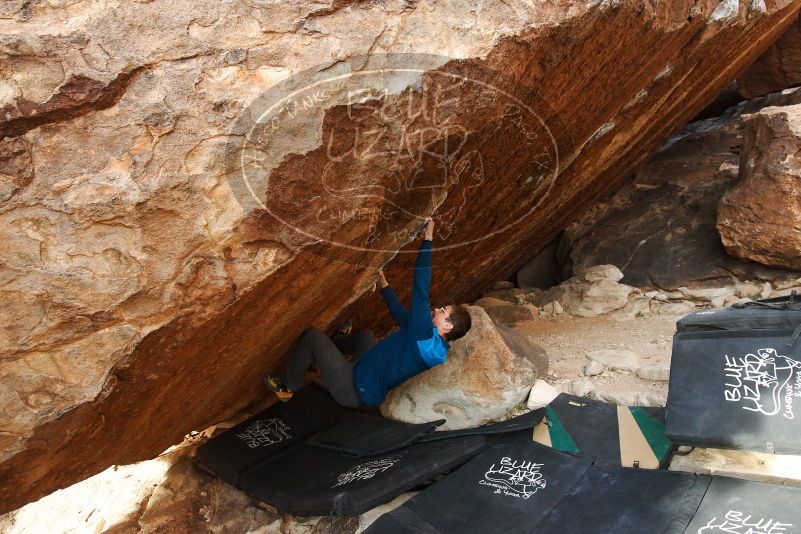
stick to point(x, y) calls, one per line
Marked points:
point(280, 426)
point(631, 436)
point(735, 378)
point(520, 486)
point(308, 480)
point(733, 506)
point(360, 434)
point(520, 422)
point(780, 313)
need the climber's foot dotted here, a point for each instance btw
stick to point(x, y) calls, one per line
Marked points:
point(277, 386)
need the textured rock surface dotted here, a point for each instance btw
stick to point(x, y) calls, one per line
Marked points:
point(777, 68)
point(143, 295)
point(622, 359)
point(760, 219)
point(541, 395)
point(482, 379)
point(504, 312)
point(660, 228)
point(595, 292)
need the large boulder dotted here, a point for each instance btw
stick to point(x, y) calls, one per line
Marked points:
point(595, 292)
point(185, 190)
point(660, 228)
point(483, 378)
point(505, 312)
point(760, 219)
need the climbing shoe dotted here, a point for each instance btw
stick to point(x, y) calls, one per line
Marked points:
point(278, 387)
point(345, 329)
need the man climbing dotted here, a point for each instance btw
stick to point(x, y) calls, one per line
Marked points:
point(421, 343)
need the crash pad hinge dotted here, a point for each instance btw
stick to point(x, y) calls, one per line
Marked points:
point(794, 337)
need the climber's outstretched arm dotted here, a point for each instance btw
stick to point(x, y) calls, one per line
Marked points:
point(396, 309)
point(420, 313)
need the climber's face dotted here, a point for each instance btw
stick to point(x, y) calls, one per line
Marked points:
point(441, 318)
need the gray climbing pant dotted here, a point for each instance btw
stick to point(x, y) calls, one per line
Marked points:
point(314, 347)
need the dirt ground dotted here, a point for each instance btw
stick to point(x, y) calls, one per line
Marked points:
point(568, 340)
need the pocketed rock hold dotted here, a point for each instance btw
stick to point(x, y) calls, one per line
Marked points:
point(481, 380)
point(621, 359)
point(654, 372)
point(541, 395)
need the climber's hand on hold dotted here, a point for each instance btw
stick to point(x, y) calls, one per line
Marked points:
point(429, 230)
point(382, 280)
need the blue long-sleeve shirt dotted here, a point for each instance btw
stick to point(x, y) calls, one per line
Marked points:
point(416, 347)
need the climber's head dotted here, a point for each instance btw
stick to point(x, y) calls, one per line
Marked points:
point(452, 321)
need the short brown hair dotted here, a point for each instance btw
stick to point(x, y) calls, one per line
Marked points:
point(460, 318)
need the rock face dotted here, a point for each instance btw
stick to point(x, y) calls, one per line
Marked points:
point(595, 292)
point(482, 379)
point(661, 227)
point(760, 219)
point(505, 312)
point(185, 190)
point(777, 68)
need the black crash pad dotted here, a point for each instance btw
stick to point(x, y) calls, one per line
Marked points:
point(624, 500)
point(308, 480)
point(630, 436)
point(280, 426)
point(520, 422)
point(520, 486)
point(738, 389)
point(360, 434)
point(780, 313)
point(295, 455)
point(509, 487)
point(733, 506)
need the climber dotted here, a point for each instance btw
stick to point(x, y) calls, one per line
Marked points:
point(421, 343)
